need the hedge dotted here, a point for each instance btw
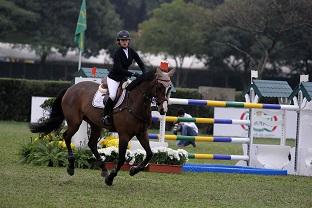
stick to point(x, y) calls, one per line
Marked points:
point(15, 96)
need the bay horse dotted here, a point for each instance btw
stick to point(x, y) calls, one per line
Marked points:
point(131, 118)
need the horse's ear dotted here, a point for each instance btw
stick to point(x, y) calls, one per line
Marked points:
point(171, 72)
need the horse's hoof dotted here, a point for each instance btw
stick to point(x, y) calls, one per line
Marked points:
point(108, 181)
point(70, 171)
point(104, 174)
point(133, 170)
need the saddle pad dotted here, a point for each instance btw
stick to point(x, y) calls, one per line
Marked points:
point(97, 101)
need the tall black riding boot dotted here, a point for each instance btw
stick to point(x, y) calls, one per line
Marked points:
point(107, 117)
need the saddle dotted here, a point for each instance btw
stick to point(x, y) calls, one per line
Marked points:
point(102, 94)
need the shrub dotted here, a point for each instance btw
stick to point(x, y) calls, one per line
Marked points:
point(15, 96)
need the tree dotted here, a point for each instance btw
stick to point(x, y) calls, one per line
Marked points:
point(297, 54)
point(264, 24)
point(174, 29)
point(133, 12)
point(13, 17)
point(55, 24)
point(207, 3)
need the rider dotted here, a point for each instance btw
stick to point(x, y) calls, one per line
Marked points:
point(122, 59)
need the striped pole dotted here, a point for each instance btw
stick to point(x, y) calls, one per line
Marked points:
point(230, 104)
point(217, 157)
point(203, 120)
point(202, 138)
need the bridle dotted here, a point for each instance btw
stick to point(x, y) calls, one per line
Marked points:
point(164, 99)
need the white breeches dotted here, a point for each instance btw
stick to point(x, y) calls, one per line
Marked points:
point(112, 88)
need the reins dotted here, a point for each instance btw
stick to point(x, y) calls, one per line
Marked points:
point(147, 96)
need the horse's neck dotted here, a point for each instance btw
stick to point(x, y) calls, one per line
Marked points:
point(139, 93)
point(139, 101)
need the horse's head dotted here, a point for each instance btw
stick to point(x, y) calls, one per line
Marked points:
point(162, 89)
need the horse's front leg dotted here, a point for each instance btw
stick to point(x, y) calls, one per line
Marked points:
point(143, 139)
point(123, 143)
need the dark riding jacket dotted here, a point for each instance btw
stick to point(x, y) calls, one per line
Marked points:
point(121, 64)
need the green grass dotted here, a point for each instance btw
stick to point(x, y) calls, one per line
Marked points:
point(33, 186)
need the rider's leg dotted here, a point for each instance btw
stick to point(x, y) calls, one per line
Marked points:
point(187, 131)
point(112, 88)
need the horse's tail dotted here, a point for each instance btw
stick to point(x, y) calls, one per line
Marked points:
point(55, 119)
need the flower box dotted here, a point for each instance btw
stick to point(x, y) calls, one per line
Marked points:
point(111, 165)
point(158, 168)
point(163, 168)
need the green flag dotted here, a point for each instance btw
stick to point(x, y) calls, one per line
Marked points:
point(81, 26)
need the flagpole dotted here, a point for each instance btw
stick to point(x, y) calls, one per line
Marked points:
point(81, 27)
point(79, 63)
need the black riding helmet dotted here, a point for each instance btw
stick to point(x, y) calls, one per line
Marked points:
point(123, 34)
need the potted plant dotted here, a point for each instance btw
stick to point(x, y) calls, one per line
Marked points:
point(164, 159)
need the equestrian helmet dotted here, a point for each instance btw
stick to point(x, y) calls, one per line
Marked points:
point(123, 34)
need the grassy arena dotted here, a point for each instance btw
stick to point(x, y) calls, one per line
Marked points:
point(33, 186)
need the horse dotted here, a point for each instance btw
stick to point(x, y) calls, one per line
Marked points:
point(131, 118)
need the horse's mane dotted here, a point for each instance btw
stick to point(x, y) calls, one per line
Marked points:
point(147, 76)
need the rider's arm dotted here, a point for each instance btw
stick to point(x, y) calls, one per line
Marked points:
point(138, 61)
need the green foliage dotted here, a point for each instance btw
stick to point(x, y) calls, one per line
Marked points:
point(160, 158)
point(47, 104)
point(43, 152)
point(49, 154)
point(83, 158)
point(138, 158)
point(256, 33)
point(49, 151)
point(174, 29)
point(164, 158)
point(26, 152)
point(113, 156)
point(46, 25)
point(13, 17)
point(15, 96)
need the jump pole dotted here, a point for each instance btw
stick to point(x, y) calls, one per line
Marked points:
point(201, 138)
point(202, 120)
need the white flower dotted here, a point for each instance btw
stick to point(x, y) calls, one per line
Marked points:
point(131, 156)
point(159, 149)
point(182, 152)
point(139, 152)
point(108, 151)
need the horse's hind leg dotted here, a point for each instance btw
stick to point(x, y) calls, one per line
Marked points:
point(95, 134)
point(123, 143)
point(143, 139)
point(71, 130)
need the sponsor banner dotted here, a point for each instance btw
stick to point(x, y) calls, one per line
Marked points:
point(267, 123)
point(37, 112)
